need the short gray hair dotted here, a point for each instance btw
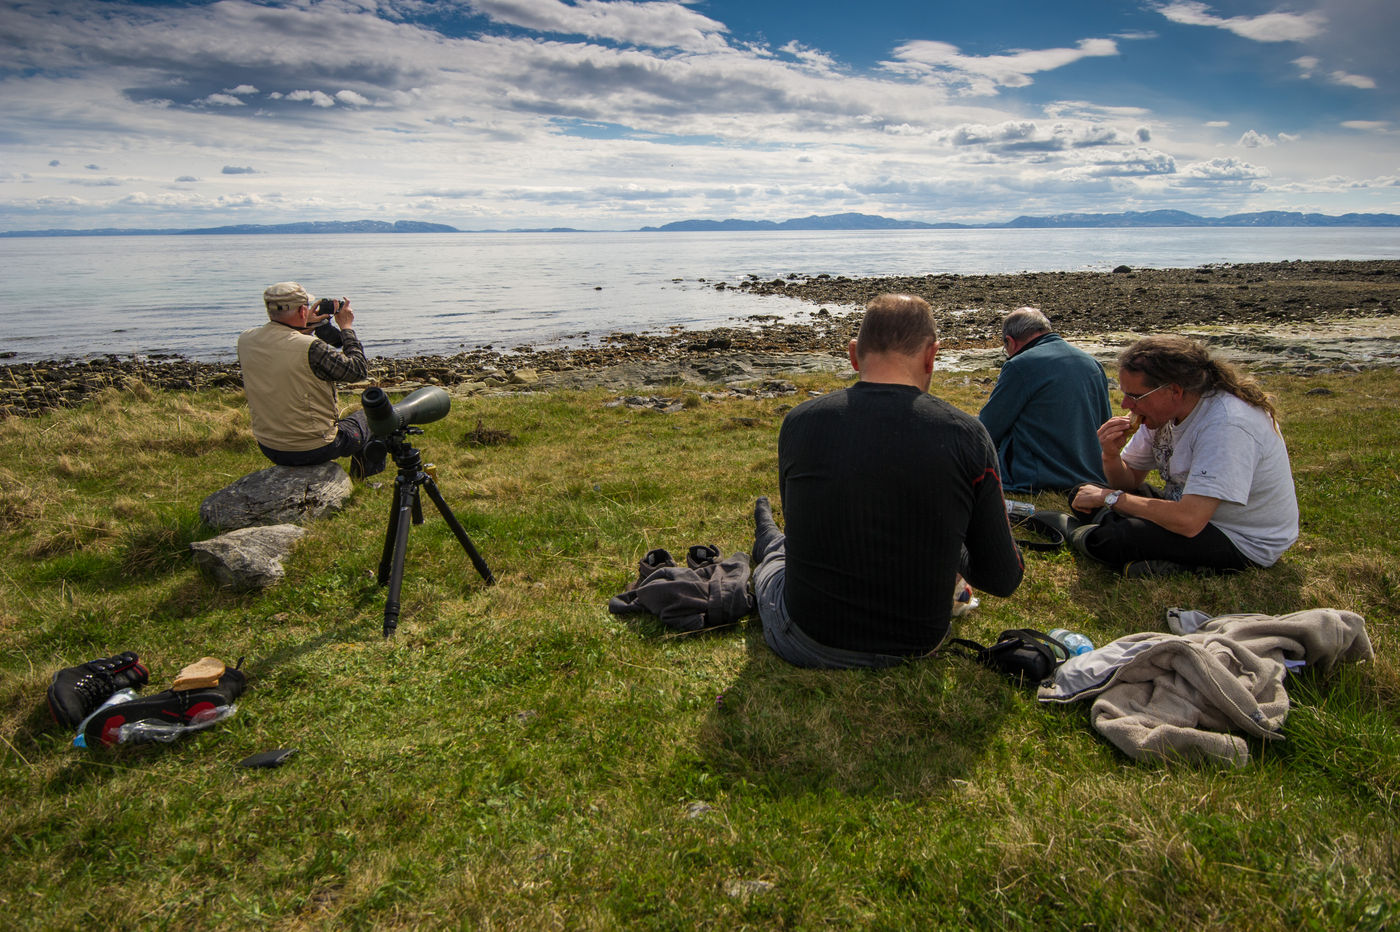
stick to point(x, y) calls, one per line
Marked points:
point(896, 323)
point(1025, 322)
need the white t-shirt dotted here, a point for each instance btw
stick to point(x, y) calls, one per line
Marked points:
point(1227, 449)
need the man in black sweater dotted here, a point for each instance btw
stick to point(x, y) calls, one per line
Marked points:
point(888, 494)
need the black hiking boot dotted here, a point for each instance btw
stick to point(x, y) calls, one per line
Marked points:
point(190, 707)
point(766, 534)
point(76, 691)
point(1148, 569)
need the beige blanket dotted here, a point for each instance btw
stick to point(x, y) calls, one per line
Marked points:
point(1160, 696)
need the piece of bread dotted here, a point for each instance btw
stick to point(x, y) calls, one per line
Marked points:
point(201, 674)
point(1134, 421)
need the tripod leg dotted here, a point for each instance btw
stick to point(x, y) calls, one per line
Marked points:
point(384, 559)
point(400, 522)
point(457, 529)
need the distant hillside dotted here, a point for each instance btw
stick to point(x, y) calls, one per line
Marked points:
point(245, 229)
point(848, 221)
point(1180, 218)
point(332, 226)
point(831, 222)
point(1151, 218)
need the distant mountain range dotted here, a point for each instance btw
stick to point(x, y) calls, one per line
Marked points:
point(1150, 218)
point(829, 222)
point(849, 221)
point(310, 226)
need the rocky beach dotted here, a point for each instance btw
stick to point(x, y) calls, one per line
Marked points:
point(1299, 316)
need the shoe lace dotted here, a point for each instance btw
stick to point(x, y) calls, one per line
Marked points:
point(93, 689)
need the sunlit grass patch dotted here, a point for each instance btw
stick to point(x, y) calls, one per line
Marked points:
point(516, 757)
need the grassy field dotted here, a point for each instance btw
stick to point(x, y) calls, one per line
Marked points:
point(517, 758)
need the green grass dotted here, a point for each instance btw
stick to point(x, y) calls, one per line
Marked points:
point(517, 758)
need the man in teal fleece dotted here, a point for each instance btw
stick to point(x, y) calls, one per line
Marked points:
point(1045, 411)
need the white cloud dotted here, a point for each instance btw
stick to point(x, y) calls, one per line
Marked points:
point(317, 98)
point(656, 24)
point(1087, 110)
point(810, 56)
point(1226, 170)
point(651, 116)
point(984, 74)
point(1253, 140)
point(1268, 27)
point(1135, 162)
point(1028, 136)
point(1352, 80)
point(1308, 67)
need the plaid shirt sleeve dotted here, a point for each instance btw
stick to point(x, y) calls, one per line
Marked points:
point(349, 365)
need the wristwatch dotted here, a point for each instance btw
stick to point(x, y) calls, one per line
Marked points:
point(1111, 498)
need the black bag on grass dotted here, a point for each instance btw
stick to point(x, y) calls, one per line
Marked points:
point(1022, 654)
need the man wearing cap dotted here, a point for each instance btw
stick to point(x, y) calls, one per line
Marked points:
point(290, 367)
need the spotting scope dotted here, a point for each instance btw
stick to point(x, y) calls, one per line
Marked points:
point(386, 418)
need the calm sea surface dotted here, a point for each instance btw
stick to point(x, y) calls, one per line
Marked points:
point(73, 297)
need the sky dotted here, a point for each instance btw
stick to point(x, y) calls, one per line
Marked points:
point(615, 114)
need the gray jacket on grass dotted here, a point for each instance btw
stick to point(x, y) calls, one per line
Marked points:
point(705, 593)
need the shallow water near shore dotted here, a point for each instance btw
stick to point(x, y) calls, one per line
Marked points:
point(440, 294)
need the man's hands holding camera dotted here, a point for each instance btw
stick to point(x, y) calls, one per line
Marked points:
point(329, 307)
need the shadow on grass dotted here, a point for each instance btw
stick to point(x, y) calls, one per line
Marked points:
point(1127, 606)
point(904, 731)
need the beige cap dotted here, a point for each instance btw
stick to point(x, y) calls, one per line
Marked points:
point(286, 296)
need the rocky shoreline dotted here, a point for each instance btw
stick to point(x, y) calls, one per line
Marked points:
point(1298, 316)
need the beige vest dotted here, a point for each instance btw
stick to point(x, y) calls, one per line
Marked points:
point(292, 410)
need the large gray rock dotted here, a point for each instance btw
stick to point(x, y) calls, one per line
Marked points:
point(249, 558)
point(277, 495)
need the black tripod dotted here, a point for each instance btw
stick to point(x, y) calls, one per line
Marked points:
point(406, 503)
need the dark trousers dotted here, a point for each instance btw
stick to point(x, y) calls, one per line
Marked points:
point(351, 436)
point(1119, 540)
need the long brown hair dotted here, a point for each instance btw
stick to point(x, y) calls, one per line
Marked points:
point(1167, 360)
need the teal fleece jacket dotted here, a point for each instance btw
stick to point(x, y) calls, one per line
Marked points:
point(1044, 414)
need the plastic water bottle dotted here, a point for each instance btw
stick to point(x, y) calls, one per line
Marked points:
point(1074, 642)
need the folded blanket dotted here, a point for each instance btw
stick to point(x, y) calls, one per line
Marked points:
point(1173, 697)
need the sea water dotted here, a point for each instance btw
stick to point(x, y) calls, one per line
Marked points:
point(77, 297)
